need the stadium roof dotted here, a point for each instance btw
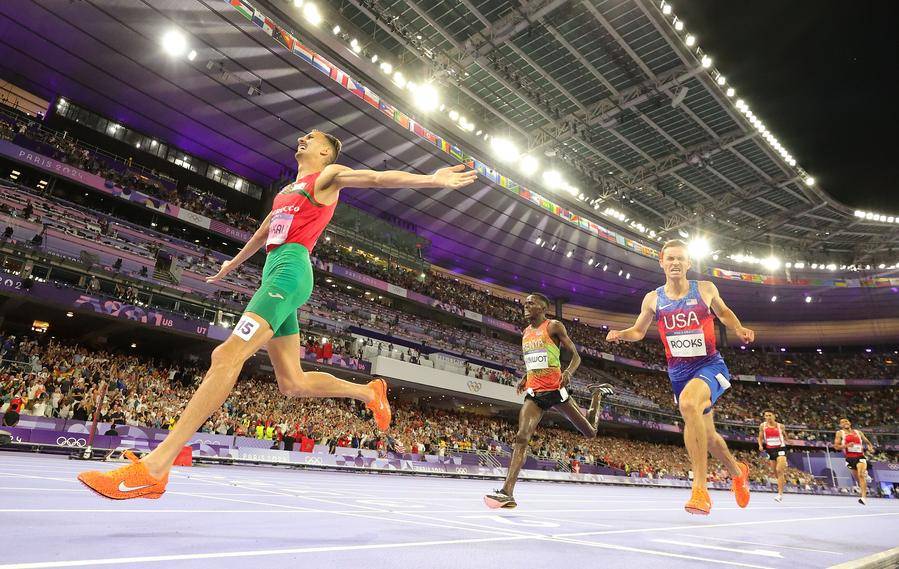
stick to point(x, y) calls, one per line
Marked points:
point(597, 87)
point(623, 95)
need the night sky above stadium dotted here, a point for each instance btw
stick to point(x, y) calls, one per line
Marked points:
point(821, 75)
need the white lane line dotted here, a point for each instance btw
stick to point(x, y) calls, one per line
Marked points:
point(731, 524)
point(764, 544)
point(16, 475)
point(582, 522)
point(378, 514)
point(155, 511)
point(656, 552)
point(852, 506)
point(690, 544)
point(252, 553)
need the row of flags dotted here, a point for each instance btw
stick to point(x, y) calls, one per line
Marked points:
point(292, 44)
point(867, 282)
point(287, 40)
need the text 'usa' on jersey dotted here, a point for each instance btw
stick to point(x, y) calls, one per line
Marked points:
point(686, 326)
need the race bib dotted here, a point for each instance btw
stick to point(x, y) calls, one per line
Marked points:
point(278, 228)
point(773, 441)
point(245, 328)
point(536, 360)
point(854, 447)
point(687, 344)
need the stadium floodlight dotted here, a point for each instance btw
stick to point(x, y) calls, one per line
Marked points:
point(771, 263)
point(698, 248)
point(355, 45)
point(454, 115)
point(808, 299)
point(679, 25)
point(721, 80)
point(192, 55)
point(774, 298)
point(386, 67)
point(553, 178)
point(590, 262)
point(529, 165)
point(505, 149)
point(174, 43)
point(298, 3)
point(809, 181)
point(399, 79)
point(799, 265)
point(569, 254)
point(690, 40)
point(426, 97)
point(311, 13)
point(666, 8)
point(706, 61)
point(730, 92)
point(335, 30)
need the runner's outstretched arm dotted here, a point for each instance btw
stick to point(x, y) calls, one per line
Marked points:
point(452, 177)
point(248, 250)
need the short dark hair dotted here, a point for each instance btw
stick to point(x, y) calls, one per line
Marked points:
point(335, 146)
point(672, 243)
point(543, 298)
point(769, 411)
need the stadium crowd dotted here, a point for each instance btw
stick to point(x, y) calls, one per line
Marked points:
point(434, 283)
point(43, 377)
point(66, 149)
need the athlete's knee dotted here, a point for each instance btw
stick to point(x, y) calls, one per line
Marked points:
point(522, 438)
point(689, 406)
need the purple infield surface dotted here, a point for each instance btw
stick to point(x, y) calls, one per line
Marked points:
point(246, 517)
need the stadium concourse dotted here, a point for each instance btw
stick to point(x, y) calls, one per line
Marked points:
point(142, 146)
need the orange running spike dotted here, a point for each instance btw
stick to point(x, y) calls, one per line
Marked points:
point(130, 481)
point(700, 502)
point(740, 486)
point(379, 405)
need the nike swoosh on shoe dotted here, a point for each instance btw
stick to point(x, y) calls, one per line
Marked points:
point(125, 488)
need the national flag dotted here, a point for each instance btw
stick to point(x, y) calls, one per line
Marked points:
point(417, 129)
point(691, 301)
point(322, 64)
point(258, 18)
point(246, 12)
point(401, 118)
point(337, 75)
point(353, 87)
point(284, 38)
point(456, 152)
point(444, 145)
point(371, 97)
point(268, 26)
point(303, 51)
point(399, 446)
point(386, 108)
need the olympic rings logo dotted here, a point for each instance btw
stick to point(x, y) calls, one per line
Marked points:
point(71, 442)
point(313, 460)
point(474, 386)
